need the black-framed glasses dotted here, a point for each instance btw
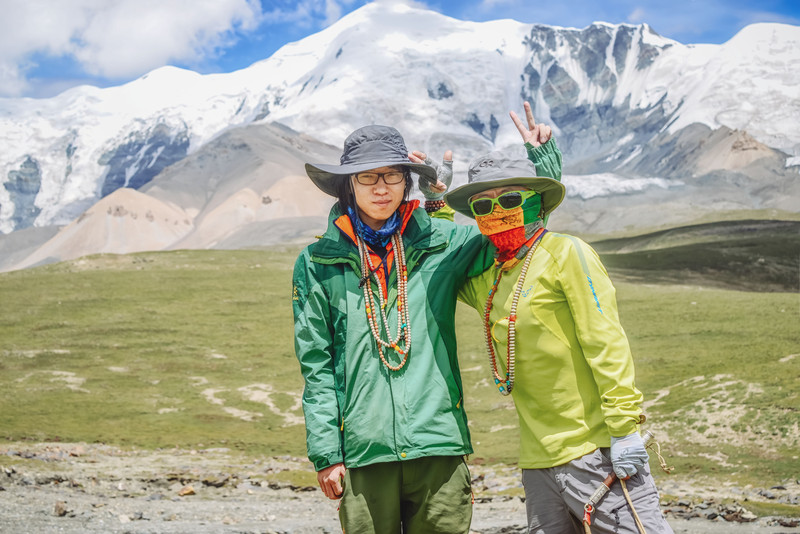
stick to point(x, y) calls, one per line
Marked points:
point(389, 178)
point(507, 201)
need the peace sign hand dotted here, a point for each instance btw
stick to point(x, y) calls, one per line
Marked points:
point(535, 134)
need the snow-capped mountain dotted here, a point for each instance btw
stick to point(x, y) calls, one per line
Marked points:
point(623, 101)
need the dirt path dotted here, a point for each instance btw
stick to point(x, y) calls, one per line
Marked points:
point(79, 488)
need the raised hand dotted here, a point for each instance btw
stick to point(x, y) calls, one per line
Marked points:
point(444, 174)
point(535, 134)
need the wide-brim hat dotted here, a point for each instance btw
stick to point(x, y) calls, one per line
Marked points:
point(496, 170)
point(367, 148)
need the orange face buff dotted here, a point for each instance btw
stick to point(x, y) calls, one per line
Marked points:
point(501, 220)
point(505, 228)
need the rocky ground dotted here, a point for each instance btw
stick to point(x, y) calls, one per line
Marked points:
point(80, 488)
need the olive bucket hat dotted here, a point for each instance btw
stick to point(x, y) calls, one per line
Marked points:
point(497, 170)
point(367, 148)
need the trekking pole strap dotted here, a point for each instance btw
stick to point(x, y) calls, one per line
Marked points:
point(605, 487)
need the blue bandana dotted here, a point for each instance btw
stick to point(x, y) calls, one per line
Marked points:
point(375, 237)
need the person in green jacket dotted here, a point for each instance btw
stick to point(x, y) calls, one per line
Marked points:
point(555, 343)
point(374, 304)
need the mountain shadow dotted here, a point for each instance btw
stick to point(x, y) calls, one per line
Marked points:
point(749, 255)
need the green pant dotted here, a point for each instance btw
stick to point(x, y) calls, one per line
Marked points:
point(426, 495)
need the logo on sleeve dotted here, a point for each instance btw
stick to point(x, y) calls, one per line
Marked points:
point(594, 293)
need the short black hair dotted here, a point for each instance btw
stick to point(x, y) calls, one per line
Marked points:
point(344, 190)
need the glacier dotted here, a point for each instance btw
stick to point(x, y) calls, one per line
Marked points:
point(614, 95)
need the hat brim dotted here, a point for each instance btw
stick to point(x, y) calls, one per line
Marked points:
point(552, 192)
point(326, 176)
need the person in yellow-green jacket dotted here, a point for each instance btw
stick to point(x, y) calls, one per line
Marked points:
point(556, 345)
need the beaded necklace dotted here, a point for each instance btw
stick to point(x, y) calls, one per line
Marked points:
point(403, 322)
point(506, 384)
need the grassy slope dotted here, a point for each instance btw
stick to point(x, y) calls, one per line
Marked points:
point(150, 333)
point(189, 347)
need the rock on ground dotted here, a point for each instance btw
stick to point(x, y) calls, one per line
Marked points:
point(80, 488)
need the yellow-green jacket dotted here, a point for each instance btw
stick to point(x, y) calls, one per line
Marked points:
point(574, 383)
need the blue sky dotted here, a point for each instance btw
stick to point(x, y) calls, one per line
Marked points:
point(47, 46)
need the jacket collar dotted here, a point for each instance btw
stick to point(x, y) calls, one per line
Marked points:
point(345, 224)
point(338, 242)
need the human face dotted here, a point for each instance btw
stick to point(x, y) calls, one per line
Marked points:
point(377, 202)
point(495, 193)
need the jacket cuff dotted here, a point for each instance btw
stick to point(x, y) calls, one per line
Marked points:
point(445, 213)
point(322, 462)
point(538, 153)
point(619, 427)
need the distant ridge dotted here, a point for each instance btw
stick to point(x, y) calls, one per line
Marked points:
point(751, 255)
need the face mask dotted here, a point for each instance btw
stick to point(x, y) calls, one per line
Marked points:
point(506, 228)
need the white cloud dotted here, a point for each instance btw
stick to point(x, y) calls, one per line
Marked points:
point(310, 13)
point(117, 39)
point(411, 3)
point(333, 11)
point(487, 5)
point(12, 81)
point(306, 12)
point(638, 15)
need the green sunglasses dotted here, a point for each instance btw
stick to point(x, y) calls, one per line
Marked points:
point(507, 201)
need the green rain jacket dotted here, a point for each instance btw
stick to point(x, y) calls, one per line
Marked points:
point(574, 384)
point(356, 410)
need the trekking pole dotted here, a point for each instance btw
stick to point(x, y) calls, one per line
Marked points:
point(605, 487)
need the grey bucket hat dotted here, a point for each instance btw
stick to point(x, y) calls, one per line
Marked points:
point(497, 170)
point(367, 148)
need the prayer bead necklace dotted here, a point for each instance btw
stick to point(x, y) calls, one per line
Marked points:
point(506, 384)
point(403, 319)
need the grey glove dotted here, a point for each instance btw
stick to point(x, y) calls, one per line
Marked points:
point(628, 455)
point(444, 173)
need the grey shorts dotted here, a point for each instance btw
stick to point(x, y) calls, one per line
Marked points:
point(555, 497)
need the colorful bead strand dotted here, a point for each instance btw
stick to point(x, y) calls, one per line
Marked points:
point(403, 318)
point(505, 384)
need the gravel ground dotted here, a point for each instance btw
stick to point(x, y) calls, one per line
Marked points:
point(79, 488)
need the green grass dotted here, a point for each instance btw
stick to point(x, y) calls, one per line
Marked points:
point(182, 348)
point(147, 339)
point(724, 361)
point(770, 508)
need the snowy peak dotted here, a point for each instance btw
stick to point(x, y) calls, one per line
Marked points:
point(598, 64)
point(611, 92)
point(765, 37)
